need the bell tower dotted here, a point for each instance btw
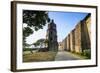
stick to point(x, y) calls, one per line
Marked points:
point(52, 36)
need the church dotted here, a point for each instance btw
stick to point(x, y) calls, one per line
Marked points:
point(52, 37)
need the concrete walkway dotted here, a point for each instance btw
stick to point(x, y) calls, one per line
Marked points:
point(63, 55)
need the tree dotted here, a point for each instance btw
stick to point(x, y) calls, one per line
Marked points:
point(26, 32)
point(40, 42)
point(35, 20)
point(36, 44)
point(46, 42)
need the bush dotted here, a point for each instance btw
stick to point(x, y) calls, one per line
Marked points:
point(87, 53)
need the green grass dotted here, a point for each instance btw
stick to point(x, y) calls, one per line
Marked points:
point(81, 55)
point(39, 56)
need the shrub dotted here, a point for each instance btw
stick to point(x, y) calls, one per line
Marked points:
point(87, 53)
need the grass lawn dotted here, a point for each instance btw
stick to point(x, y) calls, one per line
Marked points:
point(39, 56)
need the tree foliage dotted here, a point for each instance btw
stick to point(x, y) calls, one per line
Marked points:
point(40, 42)
point(35, 20)
point(36, 44)
point(27, 31)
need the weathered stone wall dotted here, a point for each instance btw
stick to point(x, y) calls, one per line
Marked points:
point(88, 25)
point(86, 35)
point(72, 41)
point(68, 40)
point(64, 44)
point(79, 38)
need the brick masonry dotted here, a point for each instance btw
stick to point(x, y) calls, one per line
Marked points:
point(79, 38)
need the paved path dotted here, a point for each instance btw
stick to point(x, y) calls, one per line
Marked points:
point(63, 55)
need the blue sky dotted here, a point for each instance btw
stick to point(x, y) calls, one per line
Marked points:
point(65, 22)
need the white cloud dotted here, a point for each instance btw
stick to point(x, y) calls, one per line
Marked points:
point(24, 25)
point(37, 35)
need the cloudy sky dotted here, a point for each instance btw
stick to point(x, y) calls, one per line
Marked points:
point(65, 22)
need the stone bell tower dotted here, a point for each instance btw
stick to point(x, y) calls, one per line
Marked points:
point(52, 36)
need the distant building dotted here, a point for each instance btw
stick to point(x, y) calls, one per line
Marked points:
point(60, 46)
point(52, 37)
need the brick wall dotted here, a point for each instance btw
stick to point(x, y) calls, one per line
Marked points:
point(79, 38)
